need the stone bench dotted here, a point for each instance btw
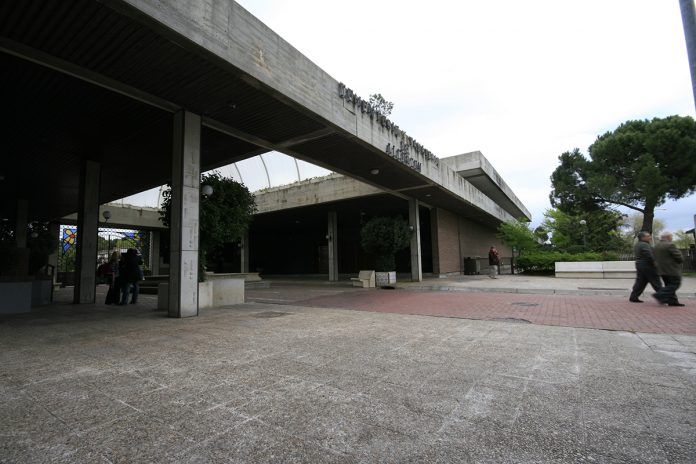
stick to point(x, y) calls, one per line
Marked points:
point(365, 279)
point(596, 270)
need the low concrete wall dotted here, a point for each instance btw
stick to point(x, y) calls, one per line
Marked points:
point(228, 291)
point(41, 292)
point(596, 270)
point(16, 297)
point(215, 292)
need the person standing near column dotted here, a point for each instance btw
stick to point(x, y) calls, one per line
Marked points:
point(646, 271)
point(669, 265)
point(493, 262)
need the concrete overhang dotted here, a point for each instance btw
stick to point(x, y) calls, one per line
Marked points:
point(476, 169)
point(124, 217)
point(326, 189)
point(102, 80)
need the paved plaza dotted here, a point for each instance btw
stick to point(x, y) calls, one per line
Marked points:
point(288, 382)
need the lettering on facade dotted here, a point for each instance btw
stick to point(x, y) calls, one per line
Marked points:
point(406, 144)
point(402, 154)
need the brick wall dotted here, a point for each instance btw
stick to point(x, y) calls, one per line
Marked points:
point(455, 237)
point(445, 238)
point(476, 239)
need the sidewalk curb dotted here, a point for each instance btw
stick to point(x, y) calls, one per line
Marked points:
point(527, 291)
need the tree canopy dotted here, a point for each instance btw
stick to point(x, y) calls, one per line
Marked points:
point(599, 233)
point(518, 235)
point(633, 223)
point(224, 216)
point(383, 237)
point(639, 166)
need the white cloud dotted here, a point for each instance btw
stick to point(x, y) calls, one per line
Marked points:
point(521, 81)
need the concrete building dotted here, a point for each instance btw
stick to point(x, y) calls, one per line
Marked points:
point(289, 235)
point(116, 97)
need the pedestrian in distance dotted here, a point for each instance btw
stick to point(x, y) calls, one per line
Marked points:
point(646, 270)
point(669, 266)
point(130, 274)
point(114, 291)
point(493, 263)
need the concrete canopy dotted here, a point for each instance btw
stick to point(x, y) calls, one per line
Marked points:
point(101, 80)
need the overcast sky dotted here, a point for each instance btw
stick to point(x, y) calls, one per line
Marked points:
point(521, 81)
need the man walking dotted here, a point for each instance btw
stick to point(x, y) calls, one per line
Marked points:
point(669, 265)
point(646, 271)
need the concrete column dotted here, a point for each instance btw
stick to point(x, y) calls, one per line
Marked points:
point(244, 265)
point(54, 230)
point(21, 223)
point(155, 252)
point(87, 228)
point(333, 246)
point(414, 222)
point(183, 258)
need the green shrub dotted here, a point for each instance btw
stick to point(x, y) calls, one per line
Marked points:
point(543, 262)
point(384, 237)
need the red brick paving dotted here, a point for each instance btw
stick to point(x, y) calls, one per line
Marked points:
point(597, 312)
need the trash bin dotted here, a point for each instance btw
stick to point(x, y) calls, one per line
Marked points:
point(471, 266)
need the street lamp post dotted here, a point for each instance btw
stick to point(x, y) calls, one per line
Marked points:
point(583, 223)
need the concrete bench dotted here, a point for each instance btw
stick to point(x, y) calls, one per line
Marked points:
point(365, 279)
point(619, 269)
point(596, 270)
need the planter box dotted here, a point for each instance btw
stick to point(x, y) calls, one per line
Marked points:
point(385, 279)
point(219, 291)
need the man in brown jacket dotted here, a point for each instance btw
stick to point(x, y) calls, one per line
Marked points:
point(669, 265)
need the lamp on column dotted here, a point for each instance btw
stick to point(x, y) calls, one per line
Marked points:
point(107, 215)
point(207, 190)
point(583, 223)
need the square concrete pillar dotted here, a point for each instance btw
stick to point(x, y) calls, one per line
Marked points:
point(155, 252)
point(184, 232)
point(414, 223)
point(54, 230)
point(87, 229)
point(332, 238)
point(21, 223)
point(244, 253)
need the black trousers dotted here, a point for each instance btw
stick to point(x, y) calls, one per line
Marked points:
point(668, 293)
point(645, 275)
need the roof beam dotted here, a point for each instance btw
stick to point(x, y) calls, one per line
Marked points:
point(65, 67)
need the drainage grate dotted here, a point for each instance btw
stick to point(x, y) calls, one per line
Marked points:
point(524, 303)
point(267, 314)
point(510, 319)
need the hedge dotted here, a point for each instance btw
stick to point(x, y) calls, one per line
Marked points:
point(543, 262)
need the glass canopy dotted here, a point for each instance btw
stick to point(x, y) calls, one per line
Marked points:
point(271, 169)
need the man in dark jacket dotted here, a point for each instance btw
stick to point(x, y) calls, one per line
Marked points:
point(669, 265)
point(130, 274)
point(493, 262)
point(646, 271)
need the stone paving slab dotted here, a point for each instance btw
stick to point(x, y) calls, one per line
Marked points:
point(105, 384)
